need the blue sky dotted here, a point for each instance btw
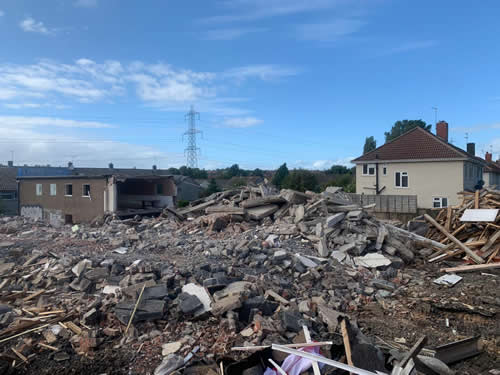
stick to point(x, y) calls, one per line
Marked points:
point(302, 82)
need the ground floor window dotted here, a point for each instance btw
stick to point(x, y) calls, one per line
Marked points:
point(401, 179)
point(439, 202)
point(8, 195)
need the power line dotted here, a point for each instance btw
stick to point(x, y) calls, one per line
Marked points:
point(191, 150)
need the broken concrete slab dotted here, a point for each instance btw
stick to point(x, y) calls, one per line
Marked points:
point(81, 266)
point(372, 260)
point(226, 304)
point(332, 220)
point(201, 293)
point(261, 212)
point(323, 250)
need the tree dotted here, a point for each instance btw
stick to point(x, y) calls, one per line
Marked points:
point(338, 169)
point(258, 172)
point(370, 144)
point(280, 175)
point(401, 127)
point(301, 180)
point(212, 187)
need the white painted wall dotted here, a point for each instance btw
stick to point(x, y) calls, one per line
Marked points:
point(426, 180)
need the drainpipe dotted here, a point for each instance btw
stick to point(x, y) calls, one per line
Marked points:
point(376, 175)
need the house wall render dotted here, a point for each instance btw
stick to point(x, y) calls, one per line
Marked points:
point(426, 180)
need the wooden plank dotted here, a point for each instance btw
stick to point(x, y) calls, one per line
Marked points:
point(34, 295)
point(469, 252)
point(476, 199)
point(448, 218)
point(307, 336)
point(347, 343)
point(491, 241)
point(472, 268)
point(419, 345)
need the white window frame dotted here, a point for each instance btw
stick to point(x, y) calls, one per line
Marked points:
point(39, 190)
point(53, 190)
point(66, 189)
point(440, 200)
point(83, 191)
point(401, 180)
point(368, 167)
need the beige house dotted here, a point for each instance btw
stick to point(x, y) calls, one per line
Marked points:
point(422, 164)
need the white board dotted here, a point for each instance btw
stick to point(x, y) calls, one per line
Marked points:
point(483, 214)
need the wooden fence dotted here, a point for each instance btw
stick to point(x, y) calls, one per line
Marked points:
point(387, 203)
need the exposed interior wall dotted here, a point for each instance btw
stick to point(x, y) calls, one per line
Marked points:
point(426, 180)
point(56, 207)
point(144, 193)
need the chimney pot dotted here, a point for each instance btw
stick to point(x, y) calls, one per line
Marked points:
point(154, 167)
point(10, 163)
point(70, 165)
point(488, 157)
point(442, 130)
point(471, 148)
point(110, 166)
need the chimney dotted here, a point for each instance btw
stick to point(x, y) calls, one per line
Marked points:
point(154, 167)
point(70, 165)
point(110, 165)
point(471, 148)
point(488, 157)
point(10, 163)
point(442, 130)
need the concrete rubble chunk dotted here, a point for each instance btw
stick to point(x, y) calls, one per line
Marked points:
point(81, 266)
point(306, 261)
point(261, 212)
point(355, 215)
point(201, 293)
point(323, 247)
point(329, 317)
point(333, 220)
point(170, 348)
point(372, 260)
point(226, 304)
point(299, 213)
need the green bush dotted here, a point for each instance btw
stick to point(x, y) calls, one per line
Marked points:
point(301, 180)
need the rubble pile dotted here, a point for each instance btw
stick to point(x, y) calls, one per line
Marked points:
point(470, 230)
point(178, 291)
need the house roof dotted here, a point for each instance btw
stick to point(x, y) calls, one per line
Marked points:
point(492, 167)
point(8, 178)
point(125, 172)
point(416, 144)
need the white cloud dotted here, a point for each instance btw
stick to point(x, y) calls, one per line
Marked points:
point(248, 10)
point(33, 147)
point(242, 122)
point(329, 31)
point(53, 84)
point(409, 46)
point(22, 105)
point(16, 122)
point(230, 34)
point(85, 3)
point(30, 25)
point(263, 72)
point(2, 13)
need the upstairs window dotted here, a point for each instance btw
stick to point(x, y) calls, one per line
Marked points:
point(68, 190)
point(86, 190)
point(38, 189)
point(384, 171)
point(53, 189)
point(401, 179)
point(439, 202)
point(368, 169)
